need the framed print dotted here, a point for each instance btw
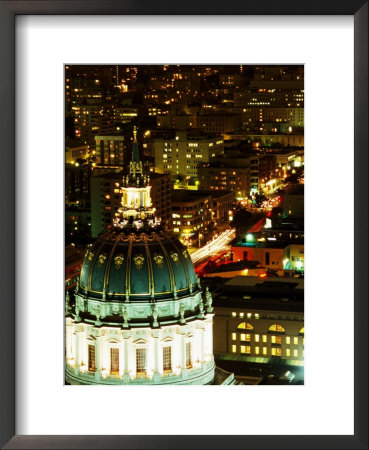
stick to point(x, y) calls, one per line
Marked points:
point(40, 41)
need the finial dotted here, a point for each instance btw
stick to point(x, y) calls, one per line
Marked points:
point(135, 134)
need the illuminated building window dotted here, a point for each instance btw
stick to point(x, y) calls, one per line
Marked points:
point(234, 348)
point(295, 353)
point(276, 327)
point(265, 338)
point(91, 358)
point(288, 340)
point(276, 352)
point(167, 358)
point(288, 352)
point(245, 337)
point(276, 340)
point(256, 350)
point(257, 338)
point(245, 349)
point(245, 326)
point(257, 316)
point(234, 314)
point(296, 341)
point(188, 355)
point(141, 360)
point(241, 314)
point(114, 360)
point(234, 336)
point(249, 315)
point(265, 351)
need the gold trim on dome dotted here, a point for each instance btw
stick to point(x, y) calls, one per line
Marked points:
point(89, 255)
point(101, 260)
point(185, 253)
point(93, 263)
point(159, 260)
point(175, 257)
point(118, 261)
point(139, 261)
point(184, 266)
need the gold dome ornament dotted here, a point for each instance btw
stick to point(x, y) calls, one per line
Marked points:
point(139, 261)
point(118, 261)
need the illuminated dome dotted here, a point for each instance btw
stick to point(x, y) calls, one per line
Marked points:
point(140, 316)
point(138, 266)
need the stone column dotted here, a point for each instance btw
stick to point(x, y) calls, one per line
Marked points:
point(126, 376)
point(98, 353)
point(157, 375)
point(183, 352)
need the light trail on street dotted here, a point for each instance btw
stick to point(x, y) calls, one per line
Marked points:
point(213, 246)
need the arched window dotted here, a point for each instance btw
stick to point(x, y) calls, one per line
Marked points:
point(276, 327)
point(302, 331)
point(245, 326)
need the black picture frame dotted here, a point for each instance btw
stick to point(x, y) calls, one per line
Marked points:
point(8, 12)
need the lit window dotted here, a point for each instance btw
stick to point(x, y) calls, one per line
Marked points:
point(256, 350)
point(296, 341)
point(188, 355)
point(265, 351)
point(91, 358)
point(249, 315)
point(234, 314)
point(276, 327)
point(242, 314)
point(288, 340)
point(257, 338)
point(141, 360)
point(276, 352)
point(265, 338)
point(245, 326)
point(276, 340)
point(288, 352)
point(234, 336)
point(257, 316)
point(167, 358)
point(114, 360)
point(245, 349)
point(295, 353)
point(234, 348)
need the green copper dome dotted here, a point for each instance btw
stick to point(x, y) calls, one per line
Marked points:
point(137, 265)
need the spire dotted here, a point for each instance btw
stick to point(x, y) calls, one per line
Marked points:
point(135, 152)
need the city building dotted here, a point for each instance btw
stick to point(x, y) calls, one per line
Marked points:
point(109, 150)
point(195, 213)
point(139, 315)
point(181, 152)
point(260, 320)
point(191, 215)
point(74, 150)
point(239, 175)
point(218, 123)
point(280, 253)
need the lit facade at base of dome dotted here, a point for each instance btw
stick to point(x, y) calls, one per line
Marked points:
point(140, 316)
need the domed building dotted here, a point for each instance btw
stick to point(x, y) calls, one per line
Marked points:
point(140, 316)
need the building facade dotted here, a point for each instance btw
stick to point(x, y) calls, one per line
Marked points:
point(260, 318)
point(181, 153)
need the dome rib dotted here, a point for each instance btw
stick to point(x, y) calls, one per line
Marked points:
point(169, 265)
point(108, 268)
point(183, 264)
